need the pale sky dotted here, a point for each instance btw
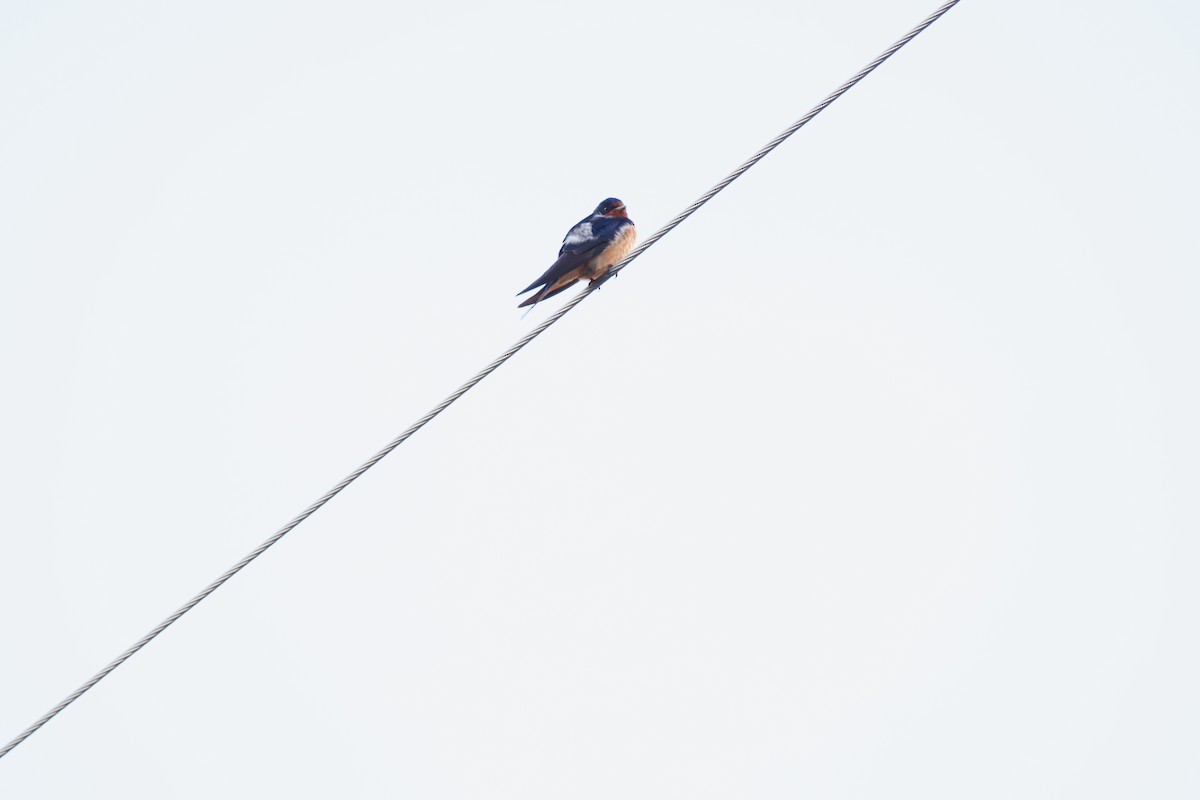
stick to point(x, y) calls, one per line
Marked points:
point(876, 478)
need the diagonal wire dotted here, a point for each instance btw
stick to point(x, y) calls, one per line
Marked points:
point(778, 140)
point(486, 371)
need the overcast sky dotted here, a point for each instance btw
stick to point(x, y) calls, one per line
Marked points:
point(876, 478)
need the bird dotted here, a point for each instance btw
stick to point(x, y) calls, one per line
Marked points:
point(594, 244)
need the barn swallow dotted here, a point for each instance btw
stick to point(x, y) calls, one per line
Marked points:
point(589, 249)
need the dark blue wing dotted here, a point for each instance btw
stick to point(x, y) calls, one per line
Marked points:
point(586, 239)
point(592, 232)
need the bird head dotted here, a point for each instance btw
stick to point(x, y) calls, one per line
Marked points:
point(612, 207)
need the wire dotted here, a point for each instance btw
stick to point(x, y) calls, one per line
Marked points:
point(466, 387)
point(781, 138)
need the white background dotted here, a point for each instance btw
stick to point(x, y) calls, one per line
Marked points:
point(876, 478)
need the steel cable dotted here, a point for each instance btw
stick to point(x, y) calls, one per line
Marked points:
point(466, 387)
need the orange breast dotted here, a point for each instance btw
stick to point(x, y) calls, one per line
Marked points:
point(621, 247)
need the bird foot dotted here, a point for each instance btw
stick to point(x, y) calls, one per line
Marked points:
point(598, 282)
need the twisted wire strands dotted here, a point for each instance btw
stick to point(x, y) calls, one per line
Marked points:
point(781, 138)
point(486, 371)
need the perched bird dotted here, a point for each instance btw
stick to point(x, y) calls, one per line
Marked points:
point(590, 248)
